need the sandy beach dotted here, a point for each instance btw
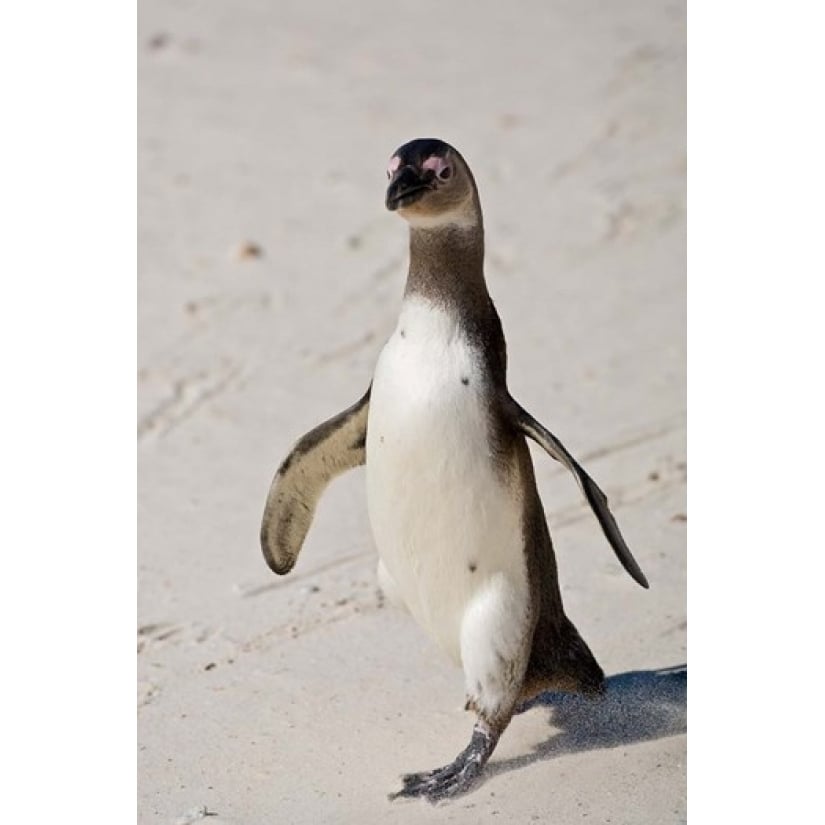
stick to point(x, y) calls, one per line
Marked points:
point(270, 275)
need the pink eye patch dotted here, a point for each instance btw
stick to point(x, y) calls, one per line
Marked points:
point(436, 164)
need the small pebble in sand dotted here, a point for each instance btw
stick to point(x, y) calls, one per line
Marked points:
point(158, 41)
point(508, 120)
point(193, 815)
point(248, 251)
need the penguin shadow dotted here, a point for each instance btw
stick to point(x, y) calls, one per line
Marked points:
point(636, 707)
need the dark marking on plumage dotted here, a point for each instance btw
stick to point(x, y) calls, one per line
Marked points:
point(472, 567)
point(465, 380)
point(402, 333)
point(559, 658)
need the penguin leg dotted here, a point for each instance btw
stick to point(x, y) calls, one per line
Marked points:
point(496, 635)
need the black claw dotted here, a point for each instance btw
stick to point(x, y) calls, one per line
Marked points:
point(454, 785)
point(442, 787)
point(414, 780)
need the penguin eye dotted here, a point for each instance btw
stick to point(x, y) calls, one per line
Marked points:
point(446, 173)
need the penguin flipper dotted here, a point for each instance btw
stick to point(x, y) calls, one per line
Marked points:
point(592, 492)
point(332, 448)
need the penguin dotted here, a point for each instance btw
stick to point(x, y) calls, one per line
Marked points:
point(460, 530)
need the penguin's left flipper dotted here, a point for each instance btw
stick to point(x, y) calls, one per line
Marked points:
point(322, 454)
point(594, 495)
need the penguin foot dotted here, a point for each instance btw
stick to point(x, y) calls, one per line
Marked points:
point(457, 777)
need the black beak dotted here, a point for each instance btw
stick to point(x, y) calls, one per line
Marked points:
point(405, 188)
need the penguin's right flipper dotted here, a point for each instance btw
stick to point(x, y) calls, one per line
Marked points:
point(322, 454)
point(592, 492)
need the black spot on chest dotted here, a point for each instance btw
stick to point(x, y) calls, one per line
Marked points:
point(465, 380)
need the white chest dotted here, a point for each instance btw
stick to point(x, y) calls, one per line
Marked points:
point(443, 518)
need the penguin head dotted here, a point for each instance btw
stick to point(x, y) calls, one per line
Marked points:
point(430, 184)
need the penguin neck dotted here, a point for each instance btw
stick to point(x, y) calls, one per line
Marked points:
point(447, 266)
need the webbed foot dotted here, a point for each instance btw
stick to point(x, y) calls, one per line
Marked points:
point(457, 777)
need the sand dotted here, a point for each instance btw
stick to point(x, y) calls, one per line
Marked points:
point(270, 275)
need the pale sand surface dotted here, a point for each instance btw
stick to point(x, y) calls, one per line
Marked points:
point(302, 699)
